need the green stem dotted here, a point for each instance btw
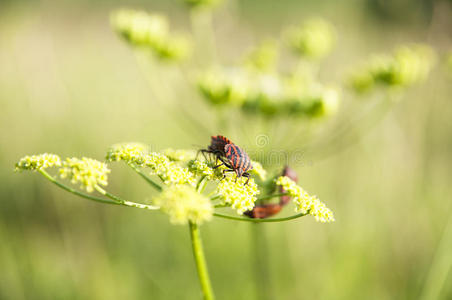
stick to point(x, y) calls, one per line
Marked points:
point(200, 260)
point(215, 197)
point(351, 133)
point(75, 192)
point(115, 200)
point(260, 220)
point(201, 22)
point(201, 184)
point(260, 259)
point(440, 267)
point(148, 180)
point(125, 202)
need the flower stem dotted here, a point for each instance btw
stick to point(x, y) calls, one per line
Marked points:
point(260, 220)
point(201, 184)
point(201, 23)
point(148, 180)
point(124, 202)
point(260, 259)
point(75, 192)
point(200, 260)
point(115, 200)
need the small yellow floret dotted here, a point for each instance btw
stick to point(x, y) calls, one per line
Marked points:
point(182, 203)
point(304, 202)
point(86, 171)
point(38, 162)
point(239, 195)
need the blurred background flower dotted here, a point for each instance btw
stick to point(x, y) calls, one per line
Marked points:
point(69, 85)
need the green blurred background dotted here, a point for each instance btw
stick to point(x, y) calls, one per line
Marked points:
point(69, 86)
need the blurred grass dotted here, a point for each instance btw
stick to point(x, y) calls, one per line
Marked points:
point(69, 86)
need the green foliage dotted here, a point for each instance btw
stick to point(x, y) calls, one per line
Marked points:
point(388, 191)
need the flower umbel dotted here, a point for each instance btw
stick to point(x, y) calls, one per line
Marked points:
point(168, 171)
point(314, 39)
point(405, 67)
point(182, 203)
point(139, 27)
point(86, 171)
point(304, 202)
point(38, 162)
point(150, 31)
point(130, 153)
point(182, 197)
point(234, 191)
point(201, 168)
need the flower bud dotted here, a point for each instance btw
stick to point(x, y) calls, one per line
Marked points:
point(38, 162)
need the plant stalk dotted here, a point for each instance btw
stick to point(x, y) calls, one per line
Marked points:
point(200, 260)
point(261, 262)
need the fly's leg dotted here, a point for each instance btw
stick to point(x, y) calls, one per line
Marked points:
point(247, 175)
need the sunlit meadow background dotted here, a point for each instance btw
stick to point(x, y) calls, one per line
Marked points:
point(69, 86)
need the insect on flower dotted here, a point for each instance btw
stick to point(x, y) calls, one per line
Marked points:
point(289, 172)
point(234, 158)
point(264, 211)
point(216, 147)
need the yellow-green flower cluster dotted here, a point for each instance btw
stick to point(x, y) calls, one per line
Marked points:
point(228, 86)
point(86, 171)
point(407, 66)
point(304, 202)
point(149, 30)
point(278, 95)
point(182, 203)
point(168, 171)
point(258, 170)
point(164, 166)
point(179, 198)
point(263, 58)
point(202, 3)
point(201, 168)
point(179, 154)
point(239, 195)
point(38, 162)
point(270, 94)
point(128, 152)
point(313, 39)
